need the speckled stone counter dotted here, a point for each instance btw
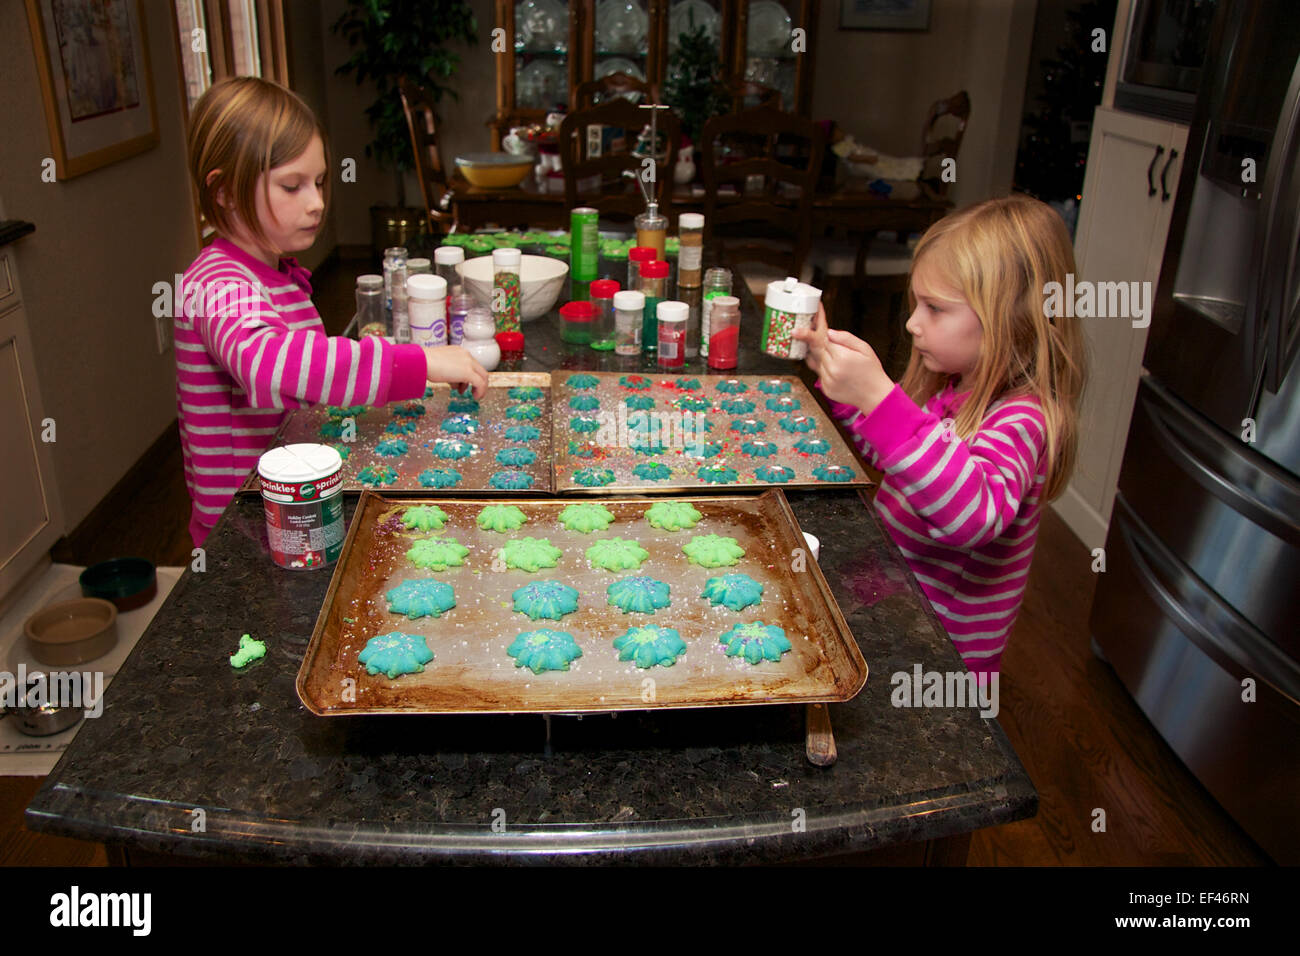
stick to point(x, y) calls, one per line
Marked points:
point(182, 732)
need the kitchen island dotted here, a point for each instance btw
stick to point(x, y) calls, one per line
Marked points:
point(195, 761)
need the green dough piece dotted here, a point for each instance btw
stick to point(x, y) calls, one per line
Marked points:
point(524, 412)
point(640, 595)
point(375, 475)
point(777, 474)
point(759, 449)
point(249, 650)
point(440, 477)
point(531, 554)
point(717, 474)
point(797, 423)
point(511, 480)
point(584, 403)
point(736, 591)
point(651, 645)
point(523, 433)
point(732, 386)
point(617, 554)
point(525, 393)
point(713, 551)
point(653, 471)
point(452, 448)
point(549, 599)
point(395, 654)
point(544, 650)
point(586, 518)
point(756, 642)
point(391, 447)
point(774, 386)
point(832, 473)
point(516, 456)
point(593, 476)
point(424, 518)
point(438, 554)
point(501, 518)
point(421, 597)
point(672, 515)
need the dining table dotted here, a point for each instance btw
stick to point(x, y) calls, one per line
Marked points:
point(195, 761)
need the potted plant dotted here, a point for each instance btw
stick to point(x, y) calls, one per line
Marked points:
point(391, 39)
point(692, 88)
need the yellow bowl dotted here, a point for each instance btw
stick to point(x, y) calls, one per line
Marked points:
point(494, 170)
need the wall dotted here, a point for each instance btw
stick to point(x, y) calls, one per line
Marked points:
point(102, 240)
point(307, 78)
point(981, 46)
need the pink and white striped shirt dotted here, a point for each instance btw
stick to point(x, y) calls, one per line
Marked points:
point(964, 513)
point(249, 346)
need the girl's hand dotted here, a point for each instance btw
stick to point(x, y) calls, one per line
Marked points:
point(849, 369)
point(452, 364)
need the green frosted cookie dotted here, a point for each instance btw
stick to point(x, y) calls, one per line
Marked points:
point(736, 591)
point(797, 423)
point(672, 515)
point(832, 473)
point(639, 595)
point(400, 426)
point(391, 447)
point(375, 475)
point(395, 654)
point(732, 386)
point(651, 645)
point(713, 551)
point(582, 381)
point(460, 406)
point(544, 650)
point(523, 433)
point(592, 477)
point(501, 518)
point(748, 426)
point(530, 554)
point(549, 599)
point(635, 382)
point(756, 642)
point(524, 412)
point(717, 474)
point(409, 409)
point(759, 449)
point(584, 403)
point(777, 474)
point(737, 406)
point(452, 448)
point(774, 386)
point(424, 518)
point(346, 411)
point(583, 423)
point(516, 457)
point(689, 403)
point(653, 471)
point(332, 429)
point(421, 597)
point(617, 554)
point(525, 393)
point(343, 450)
point(438, 554)
point(586, 518)
point(509, 479)
point(812, 446)
point(639, 403)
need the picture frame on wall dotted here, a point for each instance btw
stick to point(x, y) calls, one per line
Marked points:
point(96, 81)
point(884, 14)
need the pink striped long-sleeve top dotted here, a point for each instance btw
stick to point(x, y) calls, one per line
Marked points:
point(250, 346)
point(964, 513)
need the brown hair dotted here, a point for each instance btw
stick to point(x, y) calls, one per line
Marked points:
point(1000, 254)
point(245, 126)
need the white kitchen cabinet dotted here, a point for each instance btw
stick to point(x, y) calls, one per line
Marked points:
point(1128, 197)
point(31, 518)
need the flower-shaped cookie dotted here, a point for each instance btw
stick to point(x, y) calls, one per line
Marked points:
point(797, 423)
point(548, 599)
point(774, 386)
point(452, 448)
point(586, 518)
point(653, 471)
point(395, 654)
point(525, 393)
point(400, 426)
point(617, 554)
point(463, 406)
point(776, 474)
point(524, 412)
point(672, 515)
point(440, 477)
point(732, 386)
point(639, 403)
point(785, 404)
point(544, 650)
point(634, 382)
point(509, 479)
point(424, 518)
point(812, 446)
point(756, 642)
point(582, 381)
point(584, 424)
point(592, 477)
point(759, 448)
point(584, 403)
point(738, 406)
point(523, 433)
point(516, 457)
point(718, 474)
point(501, 518)
point(421, 597)
point(639, 595)
point(530, 554)
point(460, 424)
point(748, 426)
point(736, 591)
point(409, 409)
point(375, 475)
point(391, 447)
point(832, 473)
point(437, 554)
point(713, 551)
point(651, 645)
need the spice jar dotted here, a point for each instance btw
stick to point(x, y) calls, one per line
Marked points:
point(506, 289)
point(724, 332)
point(415, 267)
point(479, 341)
point(692, 298)
point(789, 305)
point(671, 318)
point(716, 282)
point(458, 307)
point(427, 309)
point(370, 306)
point(602, 298)
point(393, 256)
point(638, 256)
point(652, 229)
point(654, 286)
point(445, 260)
point(577, 319)
point(690, 254)
point(629, 312)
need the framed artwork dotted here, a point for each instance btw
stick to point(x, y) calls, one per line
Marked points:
point(884, 14)
point(93, 60)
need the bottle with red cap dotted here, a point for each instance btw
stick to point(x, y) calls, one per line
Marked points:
point(512, 345)
point(577, 322)
point(602, 297)
point(654, 286)
point(638, 256)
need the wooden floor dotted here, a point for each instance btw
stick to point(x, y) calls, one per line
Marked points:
point(1084, 742)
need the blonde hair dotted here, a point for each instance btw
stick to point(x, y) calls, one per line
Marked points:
point(1000, 254)
point(245, 126)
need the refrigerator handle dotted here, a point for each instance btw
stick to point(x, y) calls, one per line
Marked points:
point(1267, 308)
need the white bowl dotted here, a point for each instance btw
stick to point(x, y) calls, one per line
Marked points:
point(541, 279)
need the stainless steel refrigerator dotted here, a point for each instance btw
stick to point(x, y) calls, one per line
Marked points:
point(1198, 610)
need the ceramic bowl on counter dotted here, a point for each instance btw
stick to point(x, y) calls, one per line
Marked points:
point(72, 632)
point(494, 170)
point(540, 277)
point(128, 582)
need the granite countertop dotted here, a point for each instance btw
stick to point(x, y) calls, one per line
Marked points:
point(182, 731)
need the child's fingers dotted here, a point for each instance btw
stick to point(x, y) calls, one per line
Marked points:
point(849, 341)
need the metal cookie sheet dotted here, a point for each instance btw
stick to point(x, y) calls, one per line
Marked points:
point(471, 671)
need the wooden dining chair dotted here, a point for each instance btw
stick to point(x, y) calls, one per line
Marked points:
point(422, 122)
point(615, 193)
point(771, 222)
point(745, 94)
point(941, 138)
point(606, 88)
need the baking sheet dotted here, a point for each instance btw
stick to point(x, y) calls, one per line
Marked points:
point(611, 448)
point(304, 425)
point(471, 671)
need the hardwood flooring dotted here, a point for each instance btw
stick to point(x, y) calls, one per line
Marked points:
point(1082, 739)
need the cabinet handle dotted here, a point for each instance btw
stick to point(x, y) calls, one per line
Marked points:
point(1151, 186)
point(1164, 190)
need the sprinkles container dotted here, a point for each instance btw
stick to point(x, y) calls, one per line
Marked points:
point(507, 290)
point(302, 497)
point(789, 305)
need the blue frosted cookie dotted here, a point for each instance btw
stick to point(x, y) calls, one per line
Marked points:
point(525, 393)
point(391, 447)
point(343, 450)
point(333, 429)
point(759, 449)
point(774, 386)
point(688, 384)
point(756, 642)
point(748, 426)
point(718, 474)
point(523, 433)
point(737, 406)
point(460, 424)
point(638, 595)
point(797, 423)
point(548, 599)
point(653, 471)
point(777, 474)
point(409, 409)
point(516, 457)
point(395, 654)
point(584, 403)
point(785, 404)
point(651, 645)
point(440, 477)
point(346, 411)
point(582, 449)
point(523, 412)
point(452, 448)
point(689, 403)
point(635, 382)
point(732, 386)
point(376, 475)
point(736, 591)
point(832, 473)
point(639, 403)
point(593, 477)
point(460, 406)
point(544, 650)
point(510, 480)
point(812, 446)
point(584, 424)
point(708, 449)
point(582, 381)
point(400, 426)
point(421, 597)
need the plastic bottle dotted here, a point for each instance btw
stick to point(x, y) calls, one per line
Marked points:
point(654, 285)
point(629, 316)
